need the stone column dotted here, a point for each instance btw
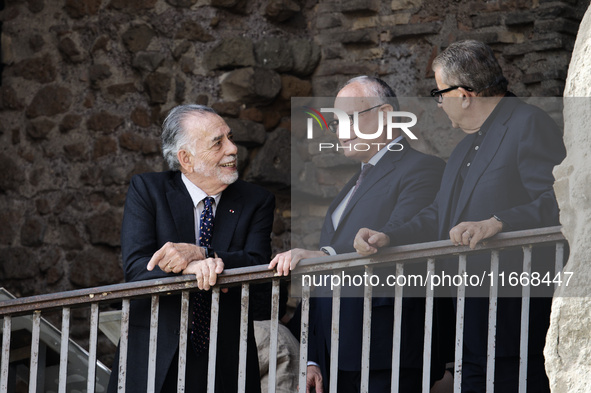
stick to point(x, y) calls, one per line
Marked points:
point(568, 344)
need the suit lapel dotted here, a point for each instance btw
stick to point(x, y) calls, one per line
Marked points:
point(488, 149)
point(384, 166)
point(226, 217)
point(182, 209)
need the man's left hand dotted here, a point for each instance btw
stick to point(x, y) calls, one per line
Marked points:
point(206, 272)
point(288, 260)
point(470, 233)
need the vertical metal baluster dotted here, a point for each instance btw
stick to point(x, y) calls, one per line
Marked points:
point(397, 334)
point(461, 298)
point(559, 263)
point(123, 340)
point(272, 381)
point(243, 339)
point(525, 296)
point(183, 327)
point(304, 338)
point(153, 345)
point(92, 342)
point(428, 328)
point(366, 341)
point(34, 352)
point(213, 338)
point(63, 373)
point(6, 333)
point(334, 338)
point(492, 322)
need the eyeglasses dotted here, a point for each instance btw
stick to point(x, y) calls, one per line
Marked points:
point(438, 94)
point(333, 126)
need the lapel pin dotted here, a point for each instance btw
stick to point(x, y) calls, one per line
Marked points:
point(231, 211)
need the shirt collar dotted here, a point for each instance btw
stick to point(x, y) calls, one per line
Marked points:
point(196, 193)
point(378, 156)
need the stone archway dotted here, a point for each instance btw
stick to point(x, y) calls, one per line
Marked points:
point(568, 344)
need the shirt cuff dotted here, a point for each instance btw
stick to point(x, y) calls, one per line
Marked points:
point(311, 363)
point(328, 250)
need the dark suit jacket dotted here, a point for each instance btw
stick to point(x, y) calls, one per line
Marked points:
point(510, 177)
point(393, 191)
point(159, 209)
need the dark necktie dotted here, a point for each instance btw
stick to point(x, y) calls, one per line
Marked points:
point(202, 299)
point(364, 171)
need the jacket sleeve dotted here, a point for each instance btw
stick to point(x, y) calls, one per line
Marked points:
point(139, 238)
point(540, 149)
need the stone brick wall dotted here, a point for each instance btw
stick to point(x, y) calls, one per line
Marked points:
point(85, 85)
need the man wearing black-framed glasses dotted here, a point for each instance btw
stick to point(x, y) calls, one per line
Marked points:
point(498, 178)
point(392, 185)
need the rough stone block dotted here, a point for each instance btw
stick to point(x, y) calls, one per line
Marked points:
point(364, 36)
point(104, 121)
point(236, 6)
point(250, 85)
point(181, 49)
point(192, 31)
point(294, 87)
point(227, 108)
point(104, 146)
point(559, 25)
point(272, 53)
point(95, 266)
point(148, 61)
point(9, 99)
point(20, 263)
point(137, 38)
point(272, 164)
point(328, 21)
point(363, 6)
point(76, 151)
point(365, 22)
point(158, 86)
point(97, 73)
point(486, 20)
point(556, 42)
point(70, 50)
point(81, 8)
point(11, 175)
point(131, 141)
point(246, 132)
point(181, 3)
point(39, 129)
point(231, 53)
point(121, 89)
point(33, 232)
point(415, 29)
point(520, 18)
point(132, 6)
point(281, 10)
point(39, 69)
point(397, 5)
point(49, 101)
point(141, 117)
point(305, 54)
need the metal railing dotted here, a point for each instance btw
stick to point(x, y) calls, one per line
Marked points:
point(401, 256)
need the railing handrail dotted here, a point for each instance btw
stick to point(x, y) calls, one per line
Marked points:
point(408, 253)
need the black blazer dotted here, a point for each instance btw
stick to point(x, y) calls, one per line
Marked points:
point(159, 209)
point(510, 177)
point(393, 191)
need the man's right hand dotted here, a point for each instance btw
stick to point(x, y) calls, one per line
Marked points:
point(367, 241)
point(314, 379)
point(175, 257)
